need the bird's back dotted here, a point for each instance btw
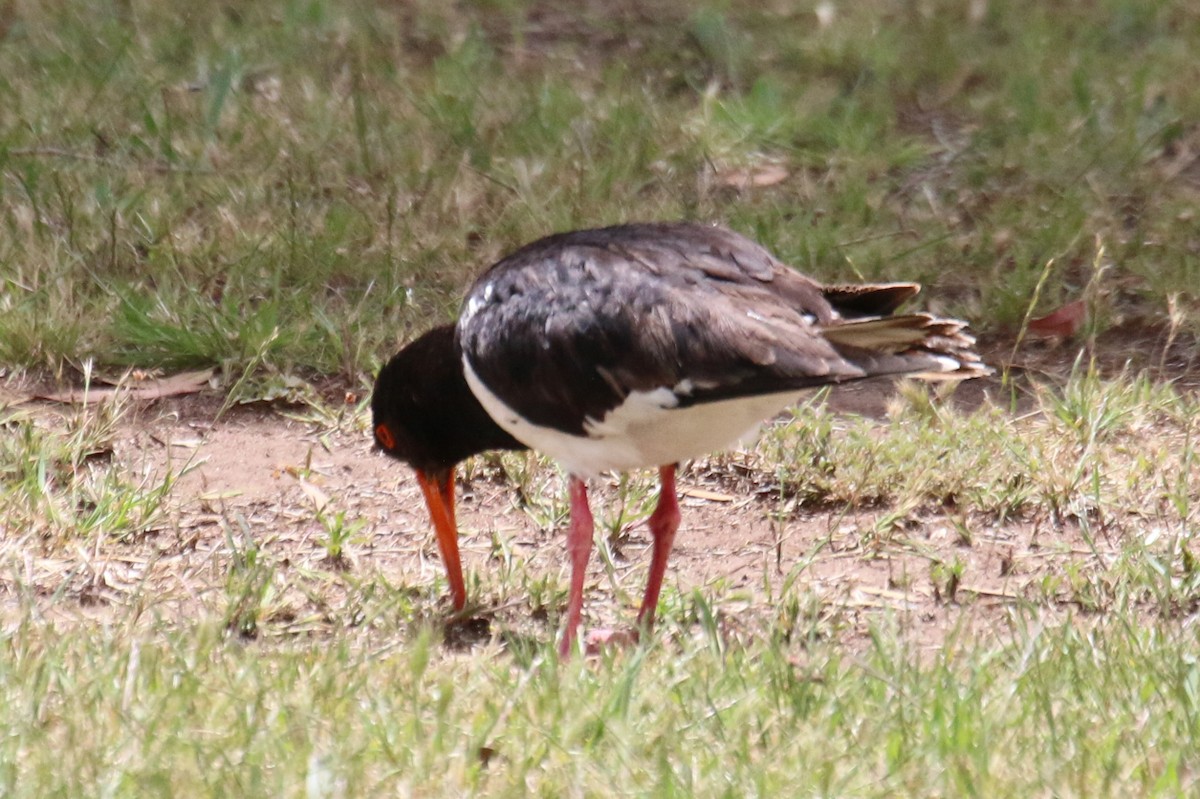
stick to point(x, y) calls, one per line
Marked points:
point(588, 334)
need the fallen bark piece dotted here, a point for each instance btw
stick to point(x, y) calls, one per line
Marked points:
point(157, 388)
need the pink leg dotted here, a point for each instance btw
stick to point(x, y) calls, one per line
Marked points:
point(663, 523)
point(579, 547)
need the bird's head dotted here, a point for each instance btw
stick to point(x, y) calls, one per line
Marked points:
point(413, 423)
point(424, 414)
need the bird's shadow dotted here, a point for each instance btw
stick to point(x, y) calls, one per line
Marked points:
point(460, 633)
point(473, 627)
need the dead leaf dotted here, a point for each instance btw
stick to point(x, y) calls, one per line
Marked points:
point(319, 498)
point(8, 17)
point(825, 13)
point(1063, 323)
point(757, 177)
point(173, 386)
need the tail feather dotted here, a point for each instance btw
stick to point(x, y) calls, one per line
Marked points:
point(918, 345)
point(870, 300)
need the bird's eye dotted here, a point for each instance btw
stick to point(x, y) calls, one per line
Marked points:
point(384, 436)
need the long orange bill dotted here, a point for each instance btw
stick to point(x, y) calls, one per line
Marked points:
point(439, 497)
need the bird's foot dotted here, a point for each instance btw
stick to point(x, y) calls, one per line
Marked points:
point(596, 641)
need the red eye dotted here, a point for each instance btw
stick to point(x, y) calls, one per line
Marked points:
point(384, 436)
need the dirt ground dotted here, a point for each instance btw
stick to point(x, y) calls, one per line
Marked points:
point(257, 477)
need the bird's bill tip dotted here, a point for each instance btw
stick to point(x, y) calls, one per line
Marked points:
point(438, 488)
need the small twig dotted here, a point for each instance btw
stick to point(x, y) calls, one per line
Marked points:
point(59, 152)
point(486, 176)
point(54, 152)
point(1029, 309)
point(876, 237)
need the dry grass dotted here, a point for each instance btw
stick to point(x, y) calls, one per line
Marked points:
point(987, 596)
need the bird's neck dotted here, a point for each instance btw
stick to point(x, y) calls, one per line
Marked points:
point(468, 428)
point(474, 429)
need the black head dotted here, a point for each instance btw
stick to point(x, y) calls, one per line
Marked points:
point(424, 412)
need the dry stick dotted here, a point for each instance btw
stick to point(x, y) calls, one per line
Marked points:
point(1037, 293)
point(1091, 297)
point(58, 152)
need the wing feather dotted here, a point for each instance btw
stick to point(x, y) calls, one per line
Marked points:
point(567, 327)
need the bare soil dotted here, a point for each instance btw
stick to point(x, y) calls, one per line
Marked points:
point(257, 479)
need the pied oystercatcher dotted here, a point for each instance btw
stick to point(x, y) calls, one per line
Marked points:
point(633, 346)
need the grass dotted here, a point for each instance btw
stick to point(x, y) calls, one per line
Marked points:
point(287, 190)
point(1085, 449)
point(321, 675)
point(1101, 710)
point(321, 181)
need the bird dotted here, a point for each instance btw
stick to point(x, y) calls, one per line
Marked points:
point(641, 345)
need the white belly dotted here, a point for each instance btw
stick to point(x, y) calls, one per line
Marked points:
point(646, 430)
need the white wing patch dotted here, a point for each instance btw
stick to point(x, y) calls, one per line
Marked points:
point(639, 408)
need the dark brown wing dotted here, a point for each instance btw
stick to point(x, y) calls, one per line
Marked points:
point(567, 327)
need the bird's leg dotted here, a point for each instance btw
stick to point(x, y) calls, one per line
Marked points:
point(579, 547)
point(439, 497)
point(663, 523)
